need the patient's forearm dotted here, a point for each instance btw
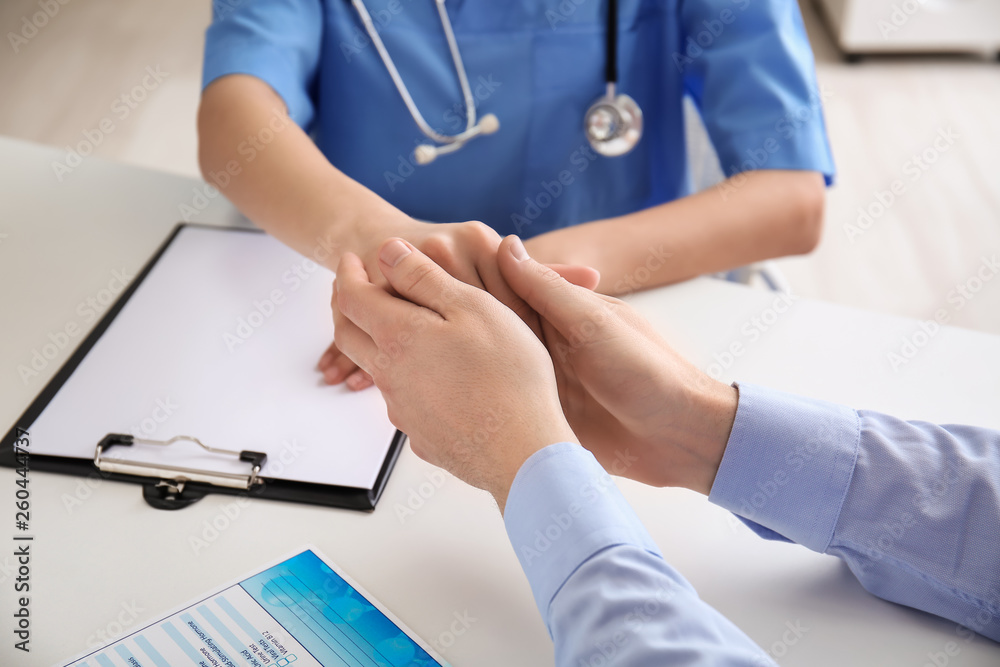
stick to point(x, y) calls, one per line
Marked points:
point(273, 172)
point(748, 218)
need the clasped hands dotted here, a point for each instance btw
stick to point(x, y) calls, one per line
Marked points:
point(481, 379)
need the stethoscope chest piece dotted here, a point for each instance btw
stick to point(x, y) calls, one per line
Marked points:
point(613, 124)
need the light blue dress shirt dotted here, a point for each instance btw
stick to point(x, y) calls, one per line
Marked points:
point(538, 65)
point(913, 508)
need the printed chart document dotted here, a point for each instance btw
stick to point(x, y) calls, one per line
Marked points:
point(300, 612)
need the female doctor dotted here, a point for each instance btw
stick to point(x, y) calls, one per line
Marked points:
point(557, 120)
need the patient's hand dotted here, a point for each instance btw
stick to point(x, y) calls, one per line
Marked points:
point(467, 251)
point(642, 409)
point(461, 373)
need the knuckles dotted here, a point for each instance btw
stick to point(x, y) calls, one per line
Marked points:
point(445, 246)
point(440, 248)
point(479, 232)
point(421, 276)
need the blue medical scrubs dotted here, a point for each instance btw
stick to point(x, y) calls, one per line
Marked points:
point(538, 65)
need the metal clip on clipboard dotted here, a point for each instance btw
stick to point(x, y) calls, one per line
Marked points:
point(170, 492)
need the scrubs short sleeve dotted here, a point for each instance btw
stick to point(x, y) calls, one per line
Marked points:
point(749, 68)
point(277, 41)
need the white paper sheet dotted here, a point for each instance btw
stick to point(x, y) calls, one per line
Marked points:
point(220, 342)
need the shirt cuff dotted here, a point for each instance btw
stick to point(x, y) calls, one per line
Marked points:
point(788, 464)
point(563, 508)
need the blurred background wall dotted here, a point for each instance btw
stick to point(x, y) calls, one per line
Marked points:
point(907, 257)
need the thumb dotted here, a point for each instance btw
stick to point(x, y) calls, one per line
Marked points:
point(416, 277)
point(550, 295)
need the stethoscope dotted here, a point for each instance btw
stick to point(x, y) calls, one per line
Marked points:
point(613, 124)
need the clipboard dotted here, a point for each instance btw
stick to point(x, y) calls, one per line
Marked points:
point(257, 385)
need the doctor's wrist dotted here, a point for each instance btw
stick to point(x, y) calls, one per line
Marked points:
point(364, 234)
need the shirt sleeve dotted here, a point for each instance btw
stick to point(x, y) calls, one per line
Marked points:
point(912, 508)
point(749, 68)
point(601, 584)
point(277, 41)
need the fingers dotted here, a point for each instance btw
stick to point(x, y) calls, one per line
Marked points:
point(370, 307)
point(554, 298)
point(339, 366)
point(359, 380)
point(343, 369)
point(331, 353)
point(495, 284)
point(354, 345)
point(584, 276)
point(416, 278)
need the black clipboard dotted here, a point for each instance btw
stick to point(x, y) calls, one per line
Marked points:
point(177, 490)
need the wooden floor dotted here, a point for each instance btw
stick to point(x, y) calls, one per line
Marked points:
point(909, 260)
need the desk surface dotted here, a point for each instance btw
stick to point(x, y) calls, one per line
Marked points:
point(103, 559)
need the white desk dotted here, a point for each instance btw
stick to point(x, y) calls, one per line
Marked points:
point(451, 556)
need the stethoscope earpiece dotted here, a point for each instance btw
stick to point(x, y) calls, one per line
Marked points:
point(427, 153)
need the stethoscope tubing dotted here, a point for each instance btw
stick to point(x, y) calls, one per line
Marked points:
point(622, 109)
point(456, 56)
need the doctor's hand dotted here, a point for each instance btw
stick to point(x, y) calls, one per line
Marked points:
point(466, 250)
point(642, 409)
point(464, 376)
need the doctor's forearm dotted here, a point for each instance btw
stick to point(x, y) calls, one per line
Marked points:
point(748, 218)
point(273, 172)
